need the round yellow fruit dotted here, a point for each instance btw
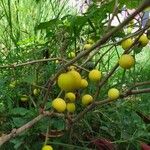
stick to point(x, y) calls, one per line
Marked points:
point(69, 81)
point(71, 55)
point(76, 78)
point(87, 99)
point(71, 107)
point(56, 61)
point(24, 98)
point(36, 92)
point(87, 46)
point(84, 83)
point(113, 93)
point(126, 61)
point(95, 75)
point(66, 82)
point(143, 40)
point(47, 147)
point(59, 105)
point(126, 44)
point(70, 96)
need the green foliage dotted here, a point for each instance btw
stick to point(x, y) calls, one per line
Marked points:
point(33, 30)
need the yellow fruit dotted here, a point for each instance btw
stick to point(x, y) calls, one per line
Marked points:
point(47, 147)
point(84, 83)
point(113, 93)
point(71, 107)
point(87, 46)
point(95, 75)
point(71, 55)
point(126, 61)
point(36, 92)
point(87, 99)
point(76, 78)
point(59, 105)
point(126, 44)
point(69, 81)
point(66, 82)
point(143, 40)
point(24, 98)
point(70, 96)
point(56, 61)
point(90, 41)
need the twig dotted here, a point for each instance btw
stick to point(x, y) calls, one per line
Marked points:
point(106, 101)
point(29, 63)
point(15, 132)
point(105, 79)
point(103, 55)
point(113, 15)
point(140, 84)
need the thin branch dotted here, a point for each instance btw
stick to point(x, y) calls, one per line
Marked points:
point(15, 132)
point(139, 84)
point(29, 63)
point(106, 101)
point(103, 81)
point(103, 55)
point(115, 11)
point(140, 91)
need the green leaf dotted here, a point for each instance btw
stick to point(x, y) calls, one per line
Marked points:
point(17, 142)
point(48, 24)
point(19, 111)
point(130, 4)
point(18, 121)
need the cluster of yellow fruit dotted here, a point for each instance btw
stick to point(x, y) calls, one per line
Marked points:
point(47, 147)
point(143, 41)
point(69, 82)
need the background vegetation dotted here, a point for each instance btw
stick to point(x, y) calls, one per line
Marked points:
point(35, 30)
